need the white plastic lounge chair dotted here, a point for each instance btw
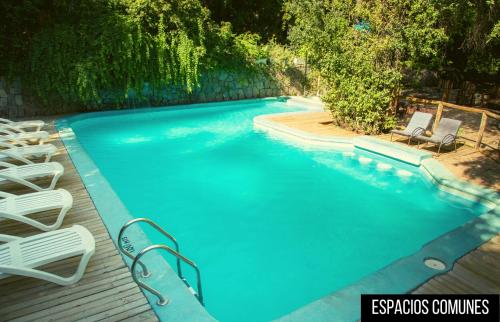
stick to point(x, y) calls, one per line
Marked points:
point(445, 134)
point(9, 134)
point(24, 173)
point(18, 207)
point(21, 256)
point(24, 152)
point(24, 125)
point(417, 126)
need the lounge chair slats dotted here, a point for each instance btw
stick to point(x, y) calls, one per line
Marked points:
point(445, 134)
point(29, 151)
point(6, 135)
point(21, 256)
point(18, 207)
point(24, 173)
point(24, 125)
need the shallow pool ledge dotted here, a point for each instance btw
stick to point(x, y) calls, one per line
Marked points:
point(432, 169)
point(392, 150)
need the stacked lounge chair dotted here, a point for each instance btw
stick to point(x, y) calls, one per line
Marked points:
point(22, 152)
point(23, 125)
point(17, 133)
point(23, 255)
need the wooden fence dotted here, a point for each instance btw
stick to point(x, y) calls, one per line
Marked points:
point(440, 105)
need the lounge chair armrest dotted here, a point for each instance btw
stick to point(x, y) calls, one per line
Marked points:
point(6, 132)
point(7, 164)
point(20, 181)
point(12, 128)
point(417, 131)
point(12, 144)
point(7, 145)
point(8, 238)
point(16, 157)
point(4, 194)
point(13, 141)
point(448, 138)
point(29, 221)
point(31, 272)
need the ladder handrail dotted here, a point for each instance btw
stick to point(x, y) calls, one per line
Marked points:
point(145, 271)
point(161, 299)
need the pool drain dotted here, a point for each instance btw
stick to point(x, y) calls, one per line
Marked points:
point(435, 263)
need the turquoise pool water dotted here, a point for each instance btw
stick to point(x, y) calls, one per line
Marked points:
point(272, 226)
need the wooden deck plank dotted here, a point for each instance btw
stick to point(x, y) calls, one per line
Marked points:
point(476, 272)
point(145, 316)
point(106, 291)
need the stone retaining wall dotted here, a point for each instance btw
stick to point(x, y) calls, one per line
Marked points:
point(11, 99)
point(214, 86)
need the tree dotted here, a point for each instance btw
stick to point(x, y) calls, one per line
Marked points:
point(473, 30)
point(95, 52)
point(363, 66)
point(263, 17)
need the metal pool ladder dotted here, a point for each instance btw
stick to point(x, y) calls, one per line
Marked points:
point(127, 250)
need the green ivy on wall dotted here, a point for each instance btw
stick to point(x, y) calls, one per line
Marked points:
point(84, 53)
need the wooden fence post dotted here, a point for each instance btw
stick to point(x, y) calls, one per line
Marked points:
point(448, 85)
point(484, 121)
point(438, 116)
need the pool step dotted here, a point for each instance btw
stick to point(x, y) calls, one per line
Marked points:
point(125, 249)
point(392, 150)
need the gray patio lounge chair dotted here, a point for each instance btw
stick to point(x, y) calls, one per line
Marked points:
point(418, 124)
point(445, 134)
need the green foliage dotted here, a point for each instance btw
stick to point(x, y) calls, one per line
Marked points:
point(263, 17)
point(231, 51)
point(473, 29)
point(281, 57)
point(363, 67)
point(87, 53)
point(94, 52)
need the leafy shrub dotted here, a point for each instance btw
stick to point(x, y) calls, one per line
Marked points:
point(363, 66)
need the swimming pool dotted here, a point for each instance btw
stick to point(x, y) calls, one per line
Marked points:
point(272, 226)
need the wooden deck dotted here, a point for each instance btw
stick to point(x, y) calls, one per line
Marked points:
point(106, 292)
point(475, 273)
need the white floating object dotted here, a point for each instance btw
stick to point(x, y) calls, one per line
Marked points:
point(364, 160)
point(404, 173)
point(383, 166)
point(435, 263)
point(137, 140)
